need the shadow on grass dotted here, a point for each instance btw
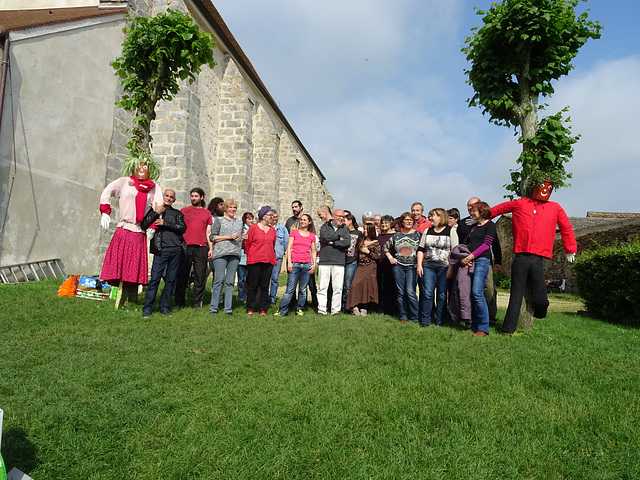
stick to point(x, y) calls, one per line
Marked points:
point(631, 323)
point(18, 451)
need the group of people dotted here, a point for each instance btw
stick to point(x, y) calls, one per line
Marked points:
point(420, 268)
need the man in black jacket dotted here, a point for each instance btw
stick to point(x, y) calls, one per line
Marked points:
point(168, 247)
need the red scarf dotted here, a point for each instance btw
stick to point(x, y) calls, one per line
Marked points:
point(143, 187)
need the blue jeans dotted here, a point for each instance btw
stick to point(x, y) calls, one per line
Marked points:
point(349, 272)
point(299, 275)
point(171, 261)
point(480, 311)
point(434, 278)
point(406, 281)
point(242, 277)
point(275, 279)
point(224, 271)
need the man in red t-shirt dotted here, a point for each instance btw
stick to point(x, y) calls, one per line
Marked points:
point(199, 249)
point(420, 222)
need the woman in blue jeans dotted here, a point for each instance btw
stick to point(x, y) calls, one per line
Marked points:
point(402, 252)
point(301, 262)
point(433, 254)
point(479, 241)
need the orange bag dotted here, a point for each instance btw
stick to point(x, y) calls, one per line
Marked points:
point(68, 287)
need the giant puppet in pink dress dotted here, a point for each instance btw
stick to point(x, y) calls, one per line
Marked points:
point(126, 257)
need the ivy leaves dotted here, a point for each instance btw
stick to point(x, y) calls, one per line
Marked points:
point(543, 156)
point(159, 52)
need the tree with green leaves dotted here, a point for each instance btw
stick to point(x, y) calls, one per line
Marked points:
point(158, 52)
point(523, 46)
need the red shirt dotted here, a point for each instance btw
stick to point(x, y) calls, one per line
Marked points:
point(422, 224)
point(534, 226)
point(260, 246)
point(197, 220)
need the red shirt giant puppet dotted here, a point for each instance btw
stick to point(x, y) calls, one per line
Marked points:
point(126, 257)
point(534, 232)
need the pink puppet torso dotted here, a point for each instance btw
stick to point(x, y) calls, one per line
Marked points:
point(124, 189)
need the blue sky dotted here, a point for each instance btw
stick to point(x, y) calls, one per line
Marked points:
point(376, 92)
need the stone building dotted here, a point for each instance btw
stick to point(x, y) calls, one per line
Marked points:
point(595, 230)
point(62, 138)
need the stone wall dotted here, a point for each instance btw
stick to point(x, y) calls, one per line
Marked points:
point(224, 136)
point(222, 133)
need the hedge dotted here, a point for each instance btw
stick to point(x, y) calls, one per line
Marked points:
point(609, 281)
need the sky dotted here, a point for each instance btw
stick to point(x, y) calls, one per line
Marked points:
point(376, 92)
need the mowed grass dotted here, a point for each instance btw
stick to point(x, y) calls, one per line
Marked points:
point(93, 393)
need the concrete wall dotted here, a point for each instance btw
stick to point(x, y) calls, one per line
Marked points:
point(59, 110)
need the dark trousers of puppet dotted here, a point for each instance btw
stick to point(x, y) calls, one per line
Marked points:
point(526, 269)
point(196, 256)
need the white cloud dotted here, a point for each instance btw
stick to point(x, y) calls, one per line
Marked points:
point(604, 106)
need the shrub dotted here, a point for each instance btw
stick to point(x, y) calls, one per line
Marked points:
point(609, 281)
point(502, 281)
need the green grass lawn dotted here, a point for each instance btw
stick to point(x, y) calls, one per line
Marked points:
point(93, 393)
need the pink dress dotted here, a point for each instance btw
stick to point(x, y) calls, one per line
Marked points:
point(126, 257)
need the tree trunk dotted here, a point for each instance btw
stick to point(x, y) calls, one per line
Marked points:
point(525, 320)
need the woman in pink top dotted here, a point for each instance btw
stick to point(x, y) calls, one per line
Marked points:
point(301, 262)
point(261, 257)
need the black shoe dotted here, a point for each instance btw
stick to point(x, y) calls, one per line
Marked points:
point(166, 313)
point(146, 314)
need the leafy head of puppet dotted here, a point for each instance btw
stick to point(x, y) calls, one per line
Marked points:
point(143, 166)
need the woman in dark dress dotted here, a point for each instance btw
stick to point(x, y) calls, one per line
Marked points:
point(364, 288)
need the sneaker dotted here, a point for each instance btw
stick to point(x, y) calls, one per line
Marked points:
point(166, 313)
point(404, 320)
point(299, 313)
point(263, 312)
point(249, 312)
point(278, 314)
point(356, 311)
point(146, 314)
point(363, 312)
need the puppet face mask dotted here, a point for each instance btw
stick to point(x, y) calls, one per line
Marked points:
point(543, 191)
point(142, 173)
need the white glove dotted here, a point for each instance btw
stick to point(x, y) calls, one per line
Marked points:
point(105, 221)
point(570, 257)
point(150, 233)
